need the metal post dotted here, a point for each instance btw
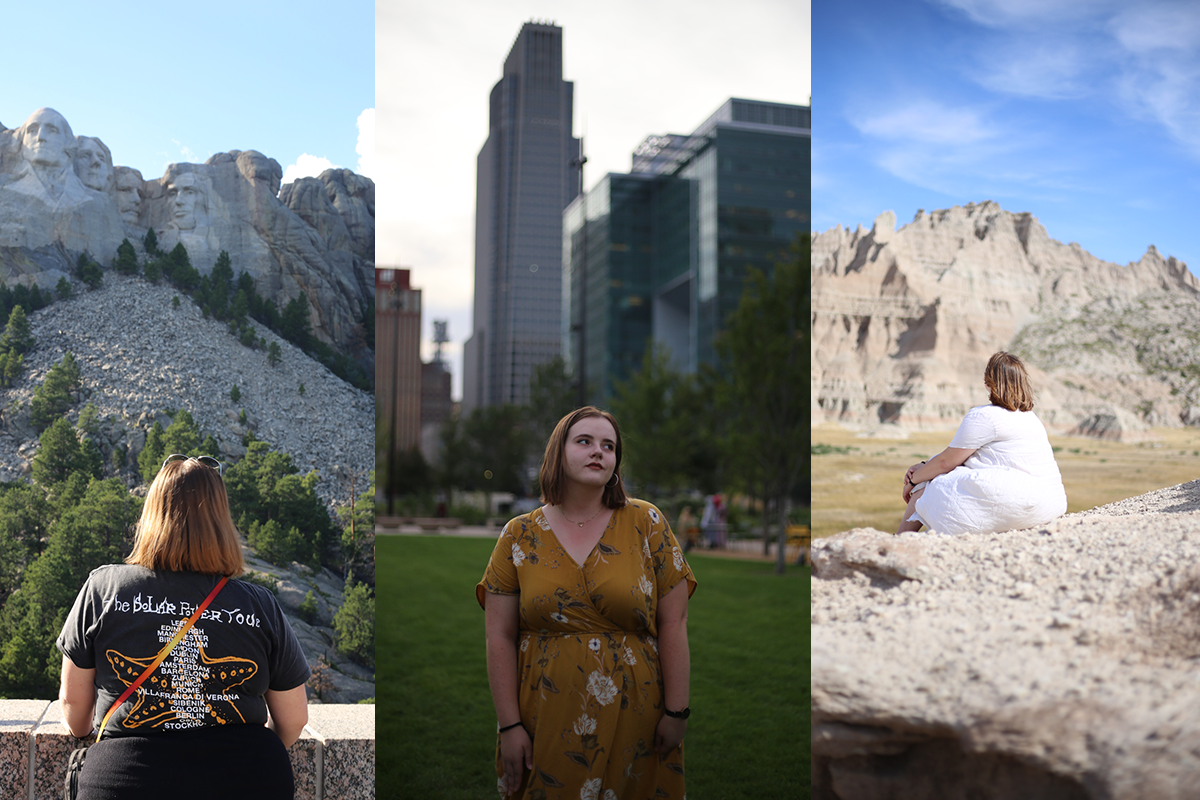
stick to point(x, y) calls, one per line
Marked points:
point(582, 395)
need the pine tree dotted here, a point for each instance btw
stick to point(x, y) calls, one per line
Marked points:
point(150, 459)
point(126, 260)
point(17, 336)
point(274, 354)
point(235, 393)
point(151, 243)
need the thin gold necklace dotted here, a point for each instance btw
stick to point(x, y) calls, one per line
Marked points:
point(580, 524)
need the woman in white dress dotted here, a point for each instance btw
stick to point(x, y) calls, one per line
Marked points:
point(998, 473)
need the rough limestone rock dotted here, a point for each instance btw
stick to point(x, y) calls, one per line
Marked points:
point(61, 195)
point(351, 682)
point(905, 320)
point(1057, 662)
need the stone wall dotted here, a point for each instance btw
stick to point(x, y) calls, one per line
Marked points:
point(334, 758)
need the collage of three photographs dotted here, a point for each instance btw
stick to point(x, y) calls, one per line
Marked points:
point(600, 498)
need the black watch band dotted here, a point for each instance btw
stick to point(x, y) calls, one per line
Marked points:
point(687, 712)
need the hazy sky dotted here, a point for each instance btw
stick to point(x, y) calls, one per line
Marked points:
point(162, 82)
point(1084, 112)
point(638, 70)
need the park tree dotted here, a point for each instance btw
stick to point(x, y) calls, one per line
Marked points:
point(552, 395)
point(763, 351)
point(500, 444)
point(659, 438)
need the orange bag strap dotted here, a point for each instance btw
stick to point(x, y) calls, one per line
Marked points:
point(162, 654)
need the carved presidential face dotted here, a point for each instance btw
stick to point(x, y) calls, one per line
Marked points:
point(185, 196)
point(129, 194)
point(45, 137)
point(92, 164)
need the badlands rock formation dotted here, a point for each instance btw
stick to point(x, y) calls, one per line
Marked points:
point(905, 320)
point(61, 195)
point(1060, 662)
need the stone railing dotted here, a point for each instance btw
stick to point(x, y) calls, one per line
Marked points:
point(333, 760)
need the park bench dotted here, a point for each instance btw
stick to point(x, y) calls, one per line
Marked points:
point(436, 523)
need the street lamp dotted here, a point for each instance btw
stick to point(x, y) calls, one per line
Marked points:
point(582, 324)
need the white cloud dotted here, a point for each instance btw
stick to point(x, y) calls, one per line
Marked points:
point(306, 166)
point(366, 143)
point(186, 153)
point(929, 122)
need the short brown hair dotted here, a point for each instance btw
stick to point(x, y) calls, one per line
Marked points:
point(185, 524)
point(551, 479)
point(1008, 383)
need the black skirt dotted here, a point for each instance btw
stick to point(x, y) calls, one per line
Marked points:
point(234, 761)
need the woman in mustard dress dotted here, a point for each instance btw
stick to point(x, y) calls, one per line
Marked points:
point(585, 602)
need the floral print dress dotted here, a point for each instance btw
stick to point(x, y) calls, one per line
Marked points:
point(590, 686)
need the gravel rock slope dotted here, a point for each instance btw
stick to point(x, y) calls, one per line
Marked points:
point(1057, 662)
point(138, 355)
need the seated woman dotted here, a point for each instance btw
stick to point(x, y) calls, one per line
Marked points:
point(998, 473)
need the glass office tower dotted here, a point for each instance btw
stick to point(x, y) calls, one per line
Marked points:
point(664, 250)
point(524, 180)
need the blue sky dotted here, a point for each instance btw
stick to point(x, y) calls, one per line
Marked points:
point(164, 82)
point(1084, 112)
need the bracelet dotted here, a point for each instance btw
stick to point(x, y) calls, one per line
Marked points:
point(515, 724)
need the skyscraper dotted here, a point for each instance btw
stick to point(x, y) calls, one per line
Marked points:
point(524, 180)
point(398, 356)
point(660, 254)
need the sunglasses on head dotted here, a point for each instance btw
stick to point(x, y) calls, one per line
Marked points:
point(207, 461)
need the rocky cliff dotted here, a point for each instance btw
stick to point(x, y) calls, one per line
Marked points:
point(904, 321)
point(61, 195)
point(1056, 662)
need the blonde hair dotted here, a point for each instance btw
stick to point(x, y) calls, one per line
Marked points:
point(185, 524)
point(1007, 382)
point(552, 478)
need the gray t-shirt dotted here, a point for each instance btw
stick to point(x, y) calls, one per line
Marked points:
point(241, 646)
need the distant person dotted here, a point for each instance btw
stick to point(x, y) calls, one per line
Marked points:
point(686, 527)
point(998, 473)
point(712, 521)
point(585, 602)
point(228, 699)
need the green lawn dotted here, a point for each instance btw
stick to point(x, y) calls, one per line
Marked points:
point(748, 630)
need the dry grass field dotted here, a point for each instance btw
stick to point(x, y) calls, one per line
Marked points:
point(857, 479)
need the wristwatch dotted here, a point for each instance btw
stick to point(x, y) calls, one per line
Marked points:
point(687, 712)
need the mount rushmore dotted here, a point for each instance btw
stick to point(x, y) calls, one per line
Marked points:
point(903, 322)
point(61, 196)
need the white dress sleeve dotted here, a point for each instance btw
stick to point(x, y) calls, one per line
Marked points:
point(976, 430)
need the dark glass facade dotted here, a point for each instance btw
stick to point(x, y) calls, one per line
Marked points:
point(669, 245)
point(524, 180)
